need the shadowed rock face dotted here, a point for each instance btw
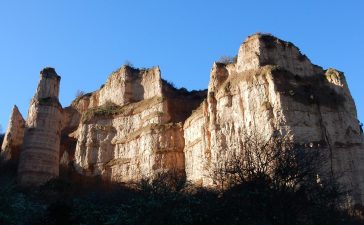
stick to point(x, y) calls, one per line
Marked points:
point(14, 135)
point(137, 124)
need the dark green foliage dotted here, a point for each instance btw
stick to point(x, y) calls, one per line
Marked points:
point(167, 199)
point(15, 206)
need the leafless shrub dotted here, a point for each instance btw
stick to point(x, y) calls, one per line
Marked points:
point(165, 181)
point(281, 178)
point(228, 59)
point(276, 159)
point(80, 93)
point(128, 63)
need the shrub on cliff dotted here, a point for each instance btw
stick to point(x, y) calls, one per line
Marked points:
point(228, 59)
point(79, 94)
point(108, 109)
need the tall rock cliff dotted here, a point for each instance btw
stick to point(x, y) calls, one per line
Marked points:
point(274, 89)
point(131, 128)
point(39, 158)
point(138, 125)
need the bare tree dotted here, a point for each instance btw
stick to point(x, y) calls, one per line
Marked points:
point(276, 159)
point(284, 180)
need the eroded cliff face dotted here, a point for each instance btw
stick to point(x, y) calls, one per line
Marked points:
point(131, 128)
point(137, 125)
point(273, 89)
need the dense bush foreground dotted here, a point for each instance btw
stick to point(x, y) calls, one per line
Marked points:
point(76, 200)
point(264, 184)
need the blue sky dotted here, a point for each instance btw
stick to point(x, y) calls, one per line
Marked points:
point(86, 40)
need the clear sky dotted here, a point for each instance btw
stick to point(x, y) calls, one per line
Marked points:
point(85, 40)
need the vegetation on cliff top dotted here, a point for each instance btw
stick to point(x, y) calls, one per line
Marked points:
point(226, 60)
point(110, 109)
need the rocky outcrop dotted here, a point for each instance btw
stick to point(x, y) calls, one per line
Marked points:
point(138, 125)
point(261, 49)
point(274, 89)
point(14, 135)
point(128, 85)
point(132, 127)
point(39, 158)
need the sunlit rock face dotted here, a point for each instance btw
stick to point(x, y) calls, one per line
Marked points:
point(39, 158)
point(128, 85)
point(274, 89)
point(132, 127)
point(138, 125)
point(260, 50)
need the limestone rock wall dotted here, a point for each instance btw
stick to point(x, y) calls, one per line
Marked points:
point(149, 151)
point(261, 49)
point(138, 136)
point(100, 137)
point(273, 89)
point(197, 150)
point(329, 118)
point(137, 124)
point(14, 135)
point(128, 85)
point(244, 104)
point(39, 158)
point(71, 118)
